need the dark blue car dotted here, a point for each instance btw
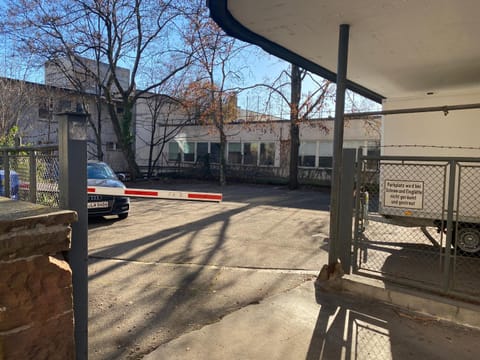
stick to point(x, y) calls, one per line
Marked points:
point(100, 174)
point(14, 184)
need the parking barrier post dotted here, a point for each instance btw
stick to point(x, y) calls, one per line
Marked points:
point(73, 182)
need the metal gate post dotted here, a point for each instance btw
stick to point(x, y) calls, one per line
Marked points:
point(73, 196)
point(338, 141)
point(6, 174)
point(448, 243)
point(32, 177)
point(344, 241)
point(358, 196)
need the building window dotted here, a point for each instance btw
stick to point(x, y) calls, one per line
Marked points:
point(325, 154)
point(267, 154)
point(235, 153)
point(373, 164)
point(173, 151)
point(250, 152)
point(307, 154)
point(45, 109)
point(189, 151)
point(112, 146)
point(202, 152)
point(64, 105)
point(215, 153)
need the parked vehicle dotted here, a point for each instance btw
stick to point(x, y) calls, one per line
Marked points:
point(14, 184)
point(100, 174)
point(417, 192)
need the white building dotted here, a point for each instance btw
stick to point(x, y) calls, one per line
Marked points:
point(167, 136)
point(263, 145)
point(83, 76)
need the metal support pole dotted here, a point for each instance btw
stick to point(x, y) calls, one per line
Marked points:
point(450, 222)
point(32, 180)
point(73, 196)
point(346, 204)
point(445, 109)
point(338, 142)
point(6, 174)
point(358, 208)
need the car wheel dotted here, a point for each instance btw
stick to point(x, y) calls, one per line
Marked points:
point(122, 216)
point(468, 240)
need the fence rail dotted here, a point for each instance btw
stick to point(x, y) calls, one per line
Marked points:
point(30, 173)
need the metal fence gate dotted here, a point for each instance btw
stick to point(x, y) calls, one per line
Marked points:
point(417, 222)
point(30, 173)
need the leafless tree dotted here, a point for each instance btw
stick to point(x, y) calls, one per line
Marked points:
point(78, 35)
point(355, 103)
point(165, 117)
point(15, 103)
point(215, 69)
point(302, 106)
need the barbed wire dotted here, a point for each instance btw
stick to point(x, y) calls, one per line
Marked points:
point(432, 146)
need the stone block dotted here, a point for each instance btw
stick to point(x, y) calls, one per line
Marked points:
point(36, 297)
point(33, 291)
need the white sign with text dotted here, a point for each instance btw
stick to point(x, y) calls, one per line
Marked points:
point(404, 194)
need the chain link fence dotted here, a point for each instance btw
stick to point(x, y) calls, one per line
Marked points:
point(418, 222)
point(30, 174)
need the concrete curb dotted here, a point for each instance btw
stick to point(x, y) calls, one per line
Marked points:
point(416, 301)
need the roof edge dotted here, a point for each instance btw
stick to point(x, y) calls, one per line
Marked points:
point(221, 15)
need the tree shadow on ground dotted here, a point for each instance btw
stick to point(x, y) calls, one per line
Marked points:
point(137, 312)
point(199, 294)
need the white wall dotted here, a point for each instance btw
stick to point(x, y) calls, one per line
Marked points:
point(433, 133)
point(358, 133)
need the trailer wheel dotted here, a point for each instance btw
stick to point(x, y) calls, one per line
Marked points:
point(468, 240)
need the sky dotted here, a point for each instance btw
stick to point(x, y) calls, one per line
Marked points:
point(266, 67)
point(257, 67)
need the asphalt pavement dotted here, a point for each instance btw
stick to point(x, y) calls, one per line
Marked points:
point(307, 323)
point(173, 267)
point(236, 280)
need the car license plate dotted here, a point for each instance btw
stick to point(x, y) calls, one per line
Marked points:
point(97, 205)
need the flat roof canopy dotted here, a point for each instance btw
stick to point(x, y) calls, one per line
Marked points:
point(397, 47)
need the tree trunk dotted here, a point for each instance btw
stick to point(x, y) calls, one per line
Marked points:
point(222, 162)
point(99, 129)
point(128, 140)
point(294, 147)
point(123, 129)
point(296, 90)
point(150, 152)
point(132, 163)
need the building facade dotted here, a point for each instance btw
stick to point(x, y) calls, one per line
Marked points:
point(168, 137)
point(262, 148)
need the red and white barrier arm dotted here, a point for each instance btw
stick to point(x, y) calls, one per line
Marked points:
point(156, 194)
point(45, 187)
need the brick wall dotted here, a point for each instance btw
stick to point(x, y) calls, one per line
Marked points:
point(36, 304)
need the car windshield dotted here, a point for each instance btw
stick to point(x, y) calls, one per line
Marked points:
point(100, 171)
